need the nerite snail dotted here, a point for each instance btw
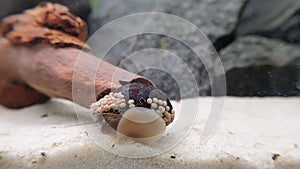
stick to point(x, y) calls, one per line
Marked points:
point(136, 110)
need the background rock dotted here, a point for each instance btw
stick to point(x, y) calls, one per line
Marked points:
point(77, 7)
point(245, 31)
point(257, 66)
point(15, 6)
point(271, 18)
point(216, 18)
point(175, 73)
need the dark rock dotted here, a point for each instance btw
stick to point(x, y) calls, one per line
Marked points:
point(257, 66)
point(271, 18)
point(79, 8)
point(13, 7)
point(263, 81)
point(169, 74)
point(215, 18)
point(289, 30)
point(164, 69)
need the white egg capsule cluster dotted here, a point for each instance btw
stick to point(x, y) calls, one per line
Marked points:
point(162, 109)
point(109, 103)
point(116, 103)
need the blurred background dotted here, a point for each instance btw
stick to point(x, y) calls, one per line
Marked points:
point(258, 41)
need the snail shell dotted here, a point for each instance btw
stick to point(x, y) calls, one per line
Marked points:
point(131, 102)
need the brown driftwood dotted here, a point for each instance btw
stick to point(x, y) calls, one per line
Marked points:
point(38, 53)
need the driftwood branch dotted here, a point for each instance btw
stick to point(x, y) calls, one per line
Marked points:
point(38, 53)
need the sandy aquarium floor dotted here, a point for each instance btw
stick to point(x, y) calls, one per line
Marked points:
point(253, 133)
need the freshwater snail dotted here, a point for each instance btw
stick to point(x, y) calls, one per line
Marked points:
point(135, 110)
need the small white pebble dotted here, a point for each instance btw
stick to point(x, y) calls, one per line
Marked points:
point(120, 101)
point(155, 100)
point(167, 114)
point(173, 115)
point(131, 105)
point(130, 101)
point(165, 103)
point(169, 119)
point(173, 111)
point(149, 100)
point(122, 105)
point(153, 106)
point(113, 106)
point(106, 107)
point(103, 101)
point(110, 99)
point(160, 102)
point(161, 108)
point(121, 96)
point(168, 108)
